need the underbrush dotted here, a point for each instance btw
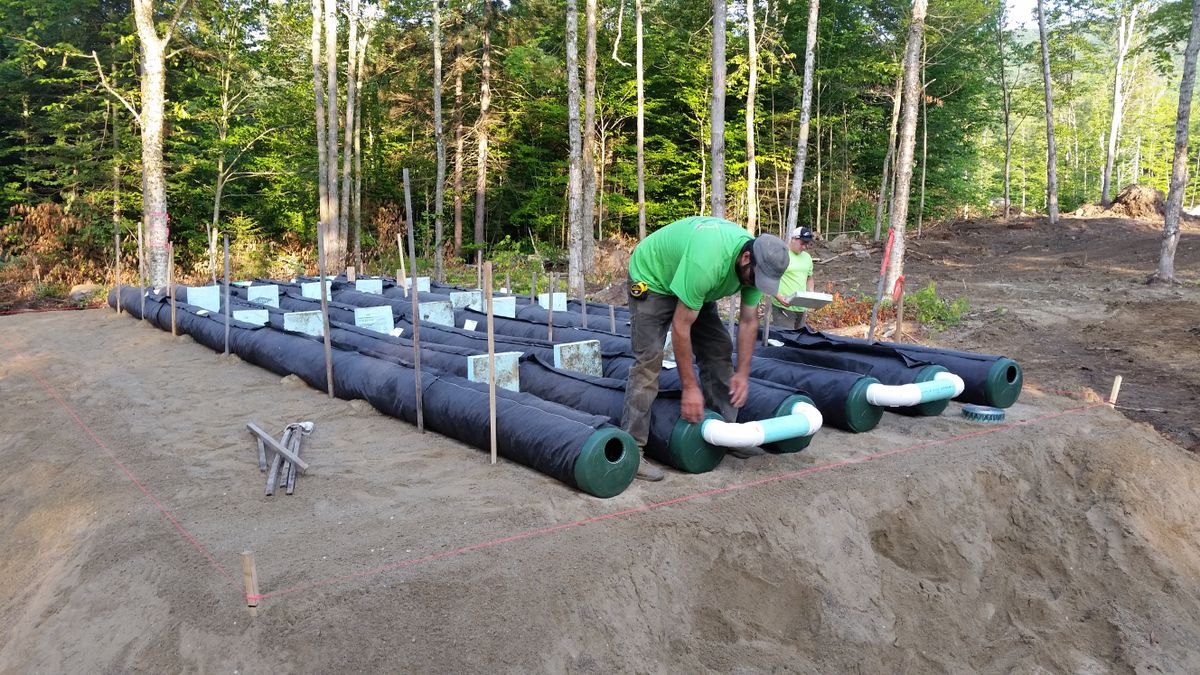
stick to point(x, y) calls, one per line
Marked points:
point(925, 306)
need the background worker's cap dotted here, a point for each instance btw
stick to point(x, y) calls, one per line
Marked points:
point(770, 262)
point(802, 233)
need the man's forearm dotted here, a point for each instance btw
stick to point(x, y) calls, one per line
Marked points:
point(747, 336)
point(681, 342)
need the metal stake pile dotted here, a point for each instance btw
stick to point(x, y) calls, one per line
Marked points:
point(286, 459)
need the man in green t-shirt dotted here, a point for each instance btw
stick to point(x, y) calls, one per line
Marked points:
point(798, 277)
point(676, 276)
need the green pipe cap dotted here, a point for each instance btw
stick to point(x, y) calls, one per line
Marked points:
point(607, 462)
point(688, 449)
point(1003, 384)
point(860, 415)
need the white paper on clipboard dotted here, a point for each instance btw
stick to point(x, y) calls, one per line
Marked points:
point(810, 300)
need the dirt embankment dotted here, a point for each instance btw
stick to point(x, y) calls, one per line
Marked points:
point(1066, 542)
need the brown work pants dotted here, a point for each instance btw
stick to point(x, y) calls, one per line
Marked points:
point(712, 349)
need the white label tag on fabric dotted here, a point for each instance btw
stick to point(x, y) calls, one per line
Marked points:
point(669, 365)
point(774, 343)
point(396, 332)
point(470, 324)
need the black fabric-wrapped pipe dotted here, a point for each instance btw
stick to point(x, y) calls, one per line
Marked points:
point(888, 368)
point(610, 343)
point(582, 450)
point(990, 379)
point(841, 396)
point(570, 319)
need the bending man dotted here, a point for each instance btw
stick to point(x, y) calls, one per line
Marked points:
point(676, 276)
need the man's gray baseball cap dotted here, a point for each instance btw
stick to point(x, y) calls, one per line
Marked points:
point(770, 262)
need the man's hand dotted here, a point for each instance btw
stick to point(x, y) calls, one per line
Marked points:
point(691, 407)
point(739, 389)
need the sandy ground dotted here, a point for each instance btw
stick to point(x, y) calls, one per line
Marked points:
point(1064, 541)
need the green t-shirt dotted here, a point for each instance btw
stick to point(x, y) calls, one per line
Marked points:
point(795, 279)
point(692, 259)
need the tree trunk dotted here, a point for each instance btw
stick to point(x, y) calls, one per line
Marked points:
point(459, 139)
point(439, 194)
point(817, 116)
point(751, 90)
point(575, 178)
point(810, 46)
point(641, 128)
point(717, 116)
point(908, 141)
point(485, 101)
point(322, 146)
point(116, 179)
point(357, 214)
point(925, 139)
point(348, 130)
point(1005, 107)
point(154, 185)
point(1051, 152)
point(588, 215)
point(333, 242)
point(1170, 238)
point(1124, 37)
point(887, 158)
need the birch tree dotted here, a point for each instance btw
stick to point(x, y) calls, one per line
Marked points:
point(887, 158)
point(440, 140)
point(810, 49)
point(333, 238)
point(1125, 28)
point(641, 127)
point(751, 89)
point(348, 126)
point(588, 213)
point(152, 120)
point(1051, 152)
point(908, 141)
point(717, 116)
point(575, 178)
point(322, 145)
point(459, 138)
point(1179, 165)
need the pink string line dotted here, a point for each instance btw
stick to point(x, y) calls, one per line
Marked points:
point(530, 534)
point(128, 474)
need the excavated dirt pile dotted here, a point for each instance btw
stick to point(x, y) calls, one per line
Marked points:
point(1137, 201)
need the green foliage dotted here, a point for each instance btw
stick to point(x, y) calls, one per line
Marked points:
point(927, 307)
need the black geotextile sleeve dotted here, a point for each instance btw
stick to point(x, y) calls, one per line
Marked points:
point(442, 358)
point(401, 307)
point(828, 388)
point(762, 402)
point(989, 379)
point(602, 396)
point(600, 309)
point(548, 438)
point(610, 343)
point(571, 319)
point(883, 365)
point(397, 293)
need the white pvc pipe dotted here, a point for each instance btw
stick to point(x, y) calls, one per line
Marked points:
point(943, 386)
point(805, 420)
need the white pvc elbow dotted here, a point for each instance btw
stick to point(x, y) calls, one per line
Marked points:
point(943, 386)
point(805, 420)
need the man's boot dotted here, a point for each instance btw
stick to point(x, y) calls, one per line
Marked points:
point(648, 472)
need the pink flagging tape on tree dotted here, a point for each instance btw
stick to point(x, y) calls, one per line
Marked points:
point(540, 532)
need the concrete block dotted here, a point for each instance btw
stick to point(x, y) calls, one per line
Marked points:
point(258, 317)
point(266, 294)
point(559, 300)
point(422, 284)
point(378, 319)
point(310, 323)
point(581, 357)
point(436, 312)
point(506, 307)
point(243, 284)
point(312, 289)
point(467, 300)
point(507, 371)
point(369, 286)
point(207, 297)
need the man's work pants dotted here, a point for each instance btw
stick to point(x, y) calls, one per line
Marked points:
point(712, 348)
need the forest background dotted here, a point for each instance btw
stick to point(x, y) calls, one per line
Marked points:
point(240, 147)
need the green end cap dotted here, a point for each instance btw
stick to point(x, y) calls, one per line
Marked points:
point(791, 444)
point(1003, 384)
point(860, 415)
point(607, 462)
point(688, 449)
point(932, 408)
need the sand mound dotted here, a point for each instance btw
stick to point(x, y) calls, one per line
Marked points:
point(1133, 201)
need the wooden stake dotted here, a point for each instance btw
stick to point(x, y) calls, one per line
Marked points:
point(171, 283)
point(416, 313)
point(117, 283)
point(250, 574)
point(350, 275)
point(324, 308)
point(403, 276)
point(507, 283)
point(899, 336)
point(141, 272)
point(1116, 389)
point(227, 295)
point(612, 319)
point(767, 322)
point(550, 306)
point(278, 447)
point(491, 339)
point(533, 286)
point(583, 300)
